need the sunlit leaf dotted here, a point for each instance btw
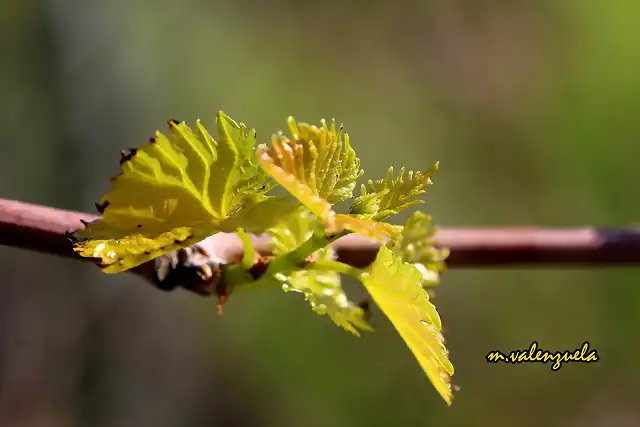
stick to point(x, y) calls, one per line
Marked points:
point(416, 245)
point(316, 165)
point(396, 288)
point(368, 203)
point(285, 162)
point(373, 229)
point(322, 289)
point(293, 231)
point(179, 189)
point(331, 166)
point(313, 168)
point(390, 196)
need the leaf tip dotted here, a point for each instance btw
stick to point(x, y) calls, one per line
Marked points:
point(102, 206)
point(127, 154)
point(293, 128)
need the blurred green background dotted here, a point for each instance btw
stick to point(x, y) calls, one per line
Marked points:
point(532, 108)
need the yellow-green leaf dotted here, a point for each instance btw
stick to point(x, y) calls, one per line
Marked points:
point(294, 231)
point(416, 245)
point(379, 231)
point(311, 168)
point(322, 289)
point(331, 167)
point(396, 288)
point(316, 165)
point(390, 196)
point(176, 190)
point(285, 162)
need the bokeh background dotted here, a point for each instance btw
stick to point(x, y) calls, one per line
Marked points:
point(532, 108)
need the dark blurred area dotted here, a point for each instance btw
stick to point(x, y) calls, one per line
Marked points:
point(531, 107)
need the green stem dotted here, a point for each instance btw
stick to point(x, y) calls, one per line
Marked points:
point(249, 252)
point(287, 262)
point(338, 267)
point(297, 257)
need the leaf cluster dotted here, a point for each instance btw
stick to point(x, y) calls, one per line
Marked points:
point(182, 187)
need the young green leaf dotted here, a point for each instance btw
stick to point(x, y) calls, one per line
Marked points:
point(321, 288)
point(369, 228)
point(315, 164)
point(395, 286)
point(369, 203)
point(313, 169)
point(177, 190)
point(294, 231)
point(329, 171)
point(390, 196)
point(416, 245)
point(286, 162)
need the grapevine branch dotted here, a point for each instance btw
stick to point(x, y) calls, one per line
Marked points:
point(42, 229)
